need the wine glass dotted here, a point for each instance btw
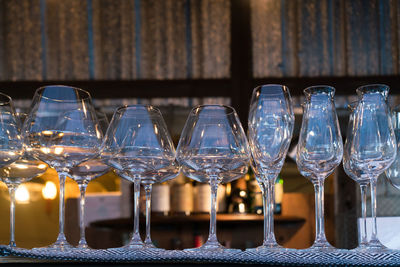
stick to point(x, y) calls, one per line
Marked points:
point(373, 145)
point(352, 170)
point(213, 149)
point(319, 150)
point(137, 145)
point(160, 176)
point(393, 172)
point(271, 122)
point(83, 174)
point(13, 170)
point(62, 130)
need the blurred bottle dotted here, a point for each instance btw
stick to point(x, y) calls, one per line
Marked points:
point(160, 199)
point(202, 198)
point(239, 200)
point(181, 193)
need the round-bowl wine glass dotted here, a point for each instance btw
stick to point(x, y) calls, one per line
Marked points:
point(62, 130)
point(213, 149)
point(319, 150)
point(271, 122)
point(83, 174)
point(137, 146)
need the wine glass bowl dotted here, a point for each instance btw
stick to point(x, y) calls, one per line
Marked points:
point(271, 122)
point(213, 149)
point(393, 172)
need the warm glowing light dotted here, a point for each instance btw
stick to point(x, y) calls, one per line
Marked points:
point(58, 150)
point(22, 195)
point(47, 132)
point(42, 166)
point(259, 211)
point(60, 134)
point(228, 189)
point(20, 166)
point(241, 208)
point(45, 150)
point(242, 193)
point(49, 191)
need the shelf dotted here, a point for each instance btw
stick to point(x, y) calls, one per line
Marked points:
point(197, 218)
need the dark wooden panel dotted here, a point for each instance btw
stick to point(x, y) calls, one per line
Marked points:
point(2, 47)
point(290, 24)
point(67, 40)
point(266, 38)
point(22, 40)
point(163, 40)
point(114, 39)
point(336, 18)
point(362, 37)
point(316, 46)
point(210, 38)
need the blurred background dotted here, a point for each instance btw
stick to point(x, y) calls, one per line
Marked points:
point(176, 54)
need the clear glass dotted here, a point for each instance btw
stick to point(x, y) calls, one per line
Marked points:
point(160, 176)
point(137, 146)
point(271, 122)
point(373, 145)
point(213, 149)
point(83, 174)
point(363, 181)
point(319, 150)
point(393, 172)
point(15, 168)
point(63, 131)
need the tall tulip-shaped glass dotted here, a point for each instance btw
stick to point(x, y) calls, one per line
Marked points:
point(373, 145)
point(62, 130)
point(393, 172)
point(271, 121)
point(137, 145)
point(352, 170)
point(319, 150)
point(11, 150)
point(83, 174)
point(213, 149)
point(160, 176)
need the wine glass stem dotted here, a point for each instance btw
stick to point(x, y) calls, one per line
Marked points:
point(147, 189)
point(136, 235)
point(320, 237)
point(212, 237)
point(61, 234)
point(363, 228)
point(269, 194)
point(82, 189)
point(11, 190)
point(374, 235)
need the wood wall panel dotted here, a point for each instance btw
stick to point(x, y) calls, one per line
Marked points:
point(67, 40)
point(267, 38)
point(22, 40)
point(326, 37)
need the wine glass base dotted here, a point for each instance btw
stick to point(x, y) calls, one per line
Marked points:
point(59, 245)
point(213, 247)
point(375, 246)
point(267, 248)
point(321, 246)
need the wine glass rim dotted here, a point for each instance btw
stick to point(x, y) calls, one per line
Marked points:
point(7, 101)
point(143, 106)
point(327, 88)
point(87, 97)
point(376, 85)
point(284, 87)
point(222, 106)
